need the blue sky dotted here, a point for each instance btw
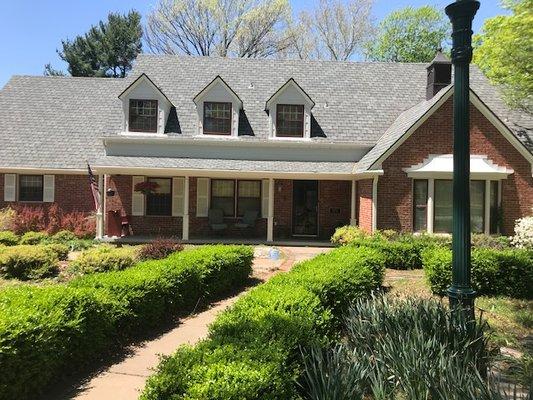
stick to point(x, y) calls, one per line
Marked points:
point(32, 30)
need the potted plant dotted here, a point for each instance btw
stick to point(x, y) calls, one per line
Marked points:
point(146, 187)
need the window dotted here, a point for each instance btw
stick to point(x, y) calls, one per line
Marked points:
point(444, 206)
point(217, 118)
point(249, 197)
point(223, 196)
point(494, 208)
point(30, 188)
point(233, 202)
point(160, 201)
point(420, 204)
point(143, 116)
point(290, 120)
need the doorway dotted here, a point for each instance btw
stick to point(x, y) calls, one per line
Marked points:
point(305, 208)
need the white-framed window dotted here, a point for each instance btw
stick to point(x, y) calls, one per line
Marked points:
point(236, 197)
point(31, 188)
point(143, 115)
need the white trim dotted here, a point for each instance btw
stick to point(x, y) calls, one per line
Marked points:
point(49, 188)
point(375, 203)
point(486, 208)
point(178, 196)
point(42, 171)
point(202, 199)
point(10, 187)
point(353, 215)
point(430, 205)
point(270, 220)
point(290, 82)
point(218, 79)
point(142, 78)
point(137, 199)
point(185, 220)
point(99, 212)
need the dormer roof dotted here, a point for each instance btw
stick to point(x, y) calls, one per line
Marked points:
point(217, 80)
point(289, 83)
point(143, 78)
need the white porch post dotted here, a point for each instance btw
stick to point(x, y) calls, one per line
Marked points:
point(99, 211)
point(270, 218)
point(353, 220)
point(431, 205)
point(375, 203)
point(487, 207)
point(185, 221)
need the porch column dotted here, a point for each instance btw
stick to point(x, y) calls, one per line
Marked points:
point(375, 204)
point(353, 219)
point(487, 208)
point(431, 205)
point(270, 218)
point(99, 211)
point(185, 221)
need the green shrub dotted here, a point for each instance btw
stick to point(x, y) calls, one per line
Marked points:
point(28, 262)
point(400, 349)
point(480, 240)
point(64, 237)
point(59, 250)
point(8, 238)
point(7, 216)
point(33, 238)
point(102, 259)
point(347, 234)
point(252, 348)
point(48, 331)
point(159, 248)
point(507, 272)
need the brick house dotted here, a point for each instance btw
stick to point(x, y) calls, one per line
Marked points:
point(296, 147)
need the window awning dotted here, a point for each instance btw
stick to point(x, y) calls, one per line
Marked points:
point(441, 167)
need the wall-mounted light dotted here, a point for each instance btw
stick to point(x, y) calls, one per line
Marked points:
point(110, 193)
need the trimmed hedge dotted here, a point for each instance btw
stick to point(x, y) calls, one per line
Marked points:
point(494, 272)
point(28, 262)
point(8, 238)
point(33, 237)
point(103, 259)
point(252, 349)
point(51, 330)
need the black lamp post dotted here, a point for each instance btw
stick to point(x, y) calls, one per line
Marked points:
point(461, 14)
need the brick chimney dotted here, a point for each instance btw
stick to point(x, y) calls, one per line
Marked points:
point(439, 74)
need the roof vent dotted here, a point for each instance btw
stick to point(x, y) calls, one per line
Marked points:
point(251, 85)
point(439, 74)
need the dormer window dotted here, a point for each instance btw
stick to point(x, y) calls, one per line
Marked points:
point(217, 118)
point(290, 120)
point(143, 116)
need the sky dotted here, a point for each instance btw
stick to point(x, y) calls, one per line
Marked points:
point(32, 30)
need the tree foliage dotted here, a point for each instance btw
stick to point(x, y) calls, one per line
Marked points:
point(336, 30)
point(241, 28)
point(409, 35)
point(504, 52)
point(106, 50)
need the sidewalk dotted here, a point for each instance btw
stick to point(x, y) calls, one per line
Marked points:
point(126, 379)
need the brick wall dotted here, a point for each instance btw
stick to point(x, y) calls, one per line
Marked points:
point(334, 206)
point(435, 137)
point(364, 204)
point(282, 208)
point(72, 193)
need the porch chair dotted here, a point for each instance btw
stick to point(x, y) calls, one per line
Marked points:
point(216, 220)
point(248, 220)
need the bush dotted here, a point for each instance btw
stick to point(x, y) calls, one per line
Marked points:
point(7, 216)
point(64, 237)
point(8, 238)
point(480, 240)
point(28, 262)
point(48, 331)
point(252, 348)
point(103, 258)
point(506, 272)
point(523, 237)
point(347, 234)
point(59, 250)
point(33, 238)
point(403, 349)
point(159, 248)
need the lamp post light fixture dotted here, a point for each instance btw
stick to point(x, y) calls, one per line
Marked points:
point(461, 294)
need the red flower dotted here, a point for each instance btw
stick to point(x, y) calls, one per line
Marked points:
point(146, 187)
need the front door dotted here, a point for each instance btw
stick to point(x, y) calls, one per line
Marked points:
point(305, 208)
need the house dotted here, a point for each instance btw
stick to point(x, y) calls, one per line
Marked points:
point(305, 145)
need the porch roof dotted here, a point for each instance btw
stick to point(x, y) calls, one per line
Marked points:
point(212, 167)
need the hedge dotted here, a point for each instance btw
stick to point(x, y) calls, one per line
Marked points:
point(48, 331)
point(8, 238)
point(253, 350)
point(29, 262)
point(34, 237)
point(494, 272)
point(103, 259)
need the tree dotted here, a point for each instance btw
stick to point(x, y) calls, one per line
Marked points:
point(242, 28)
point(51, 71)
point(409, 35)
point(106, 50)
point(336, 30)
point(504, 52)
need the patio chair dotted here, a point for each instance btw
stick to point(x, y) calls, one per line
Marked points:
point(248, 220)
point(216, 220)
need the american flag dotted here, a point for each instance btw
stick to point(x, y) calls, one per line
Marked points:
point(94, 187)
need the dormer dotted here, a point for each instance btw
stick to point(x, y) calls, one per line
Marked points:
point(289, 111)
point(218, 108)
point(146, 108)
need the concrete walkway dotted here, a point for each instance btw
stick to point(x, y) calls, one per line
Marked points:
point(126, 379)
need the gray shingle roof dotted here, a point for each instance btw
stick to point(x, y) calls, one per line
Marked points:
point(55, 122)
